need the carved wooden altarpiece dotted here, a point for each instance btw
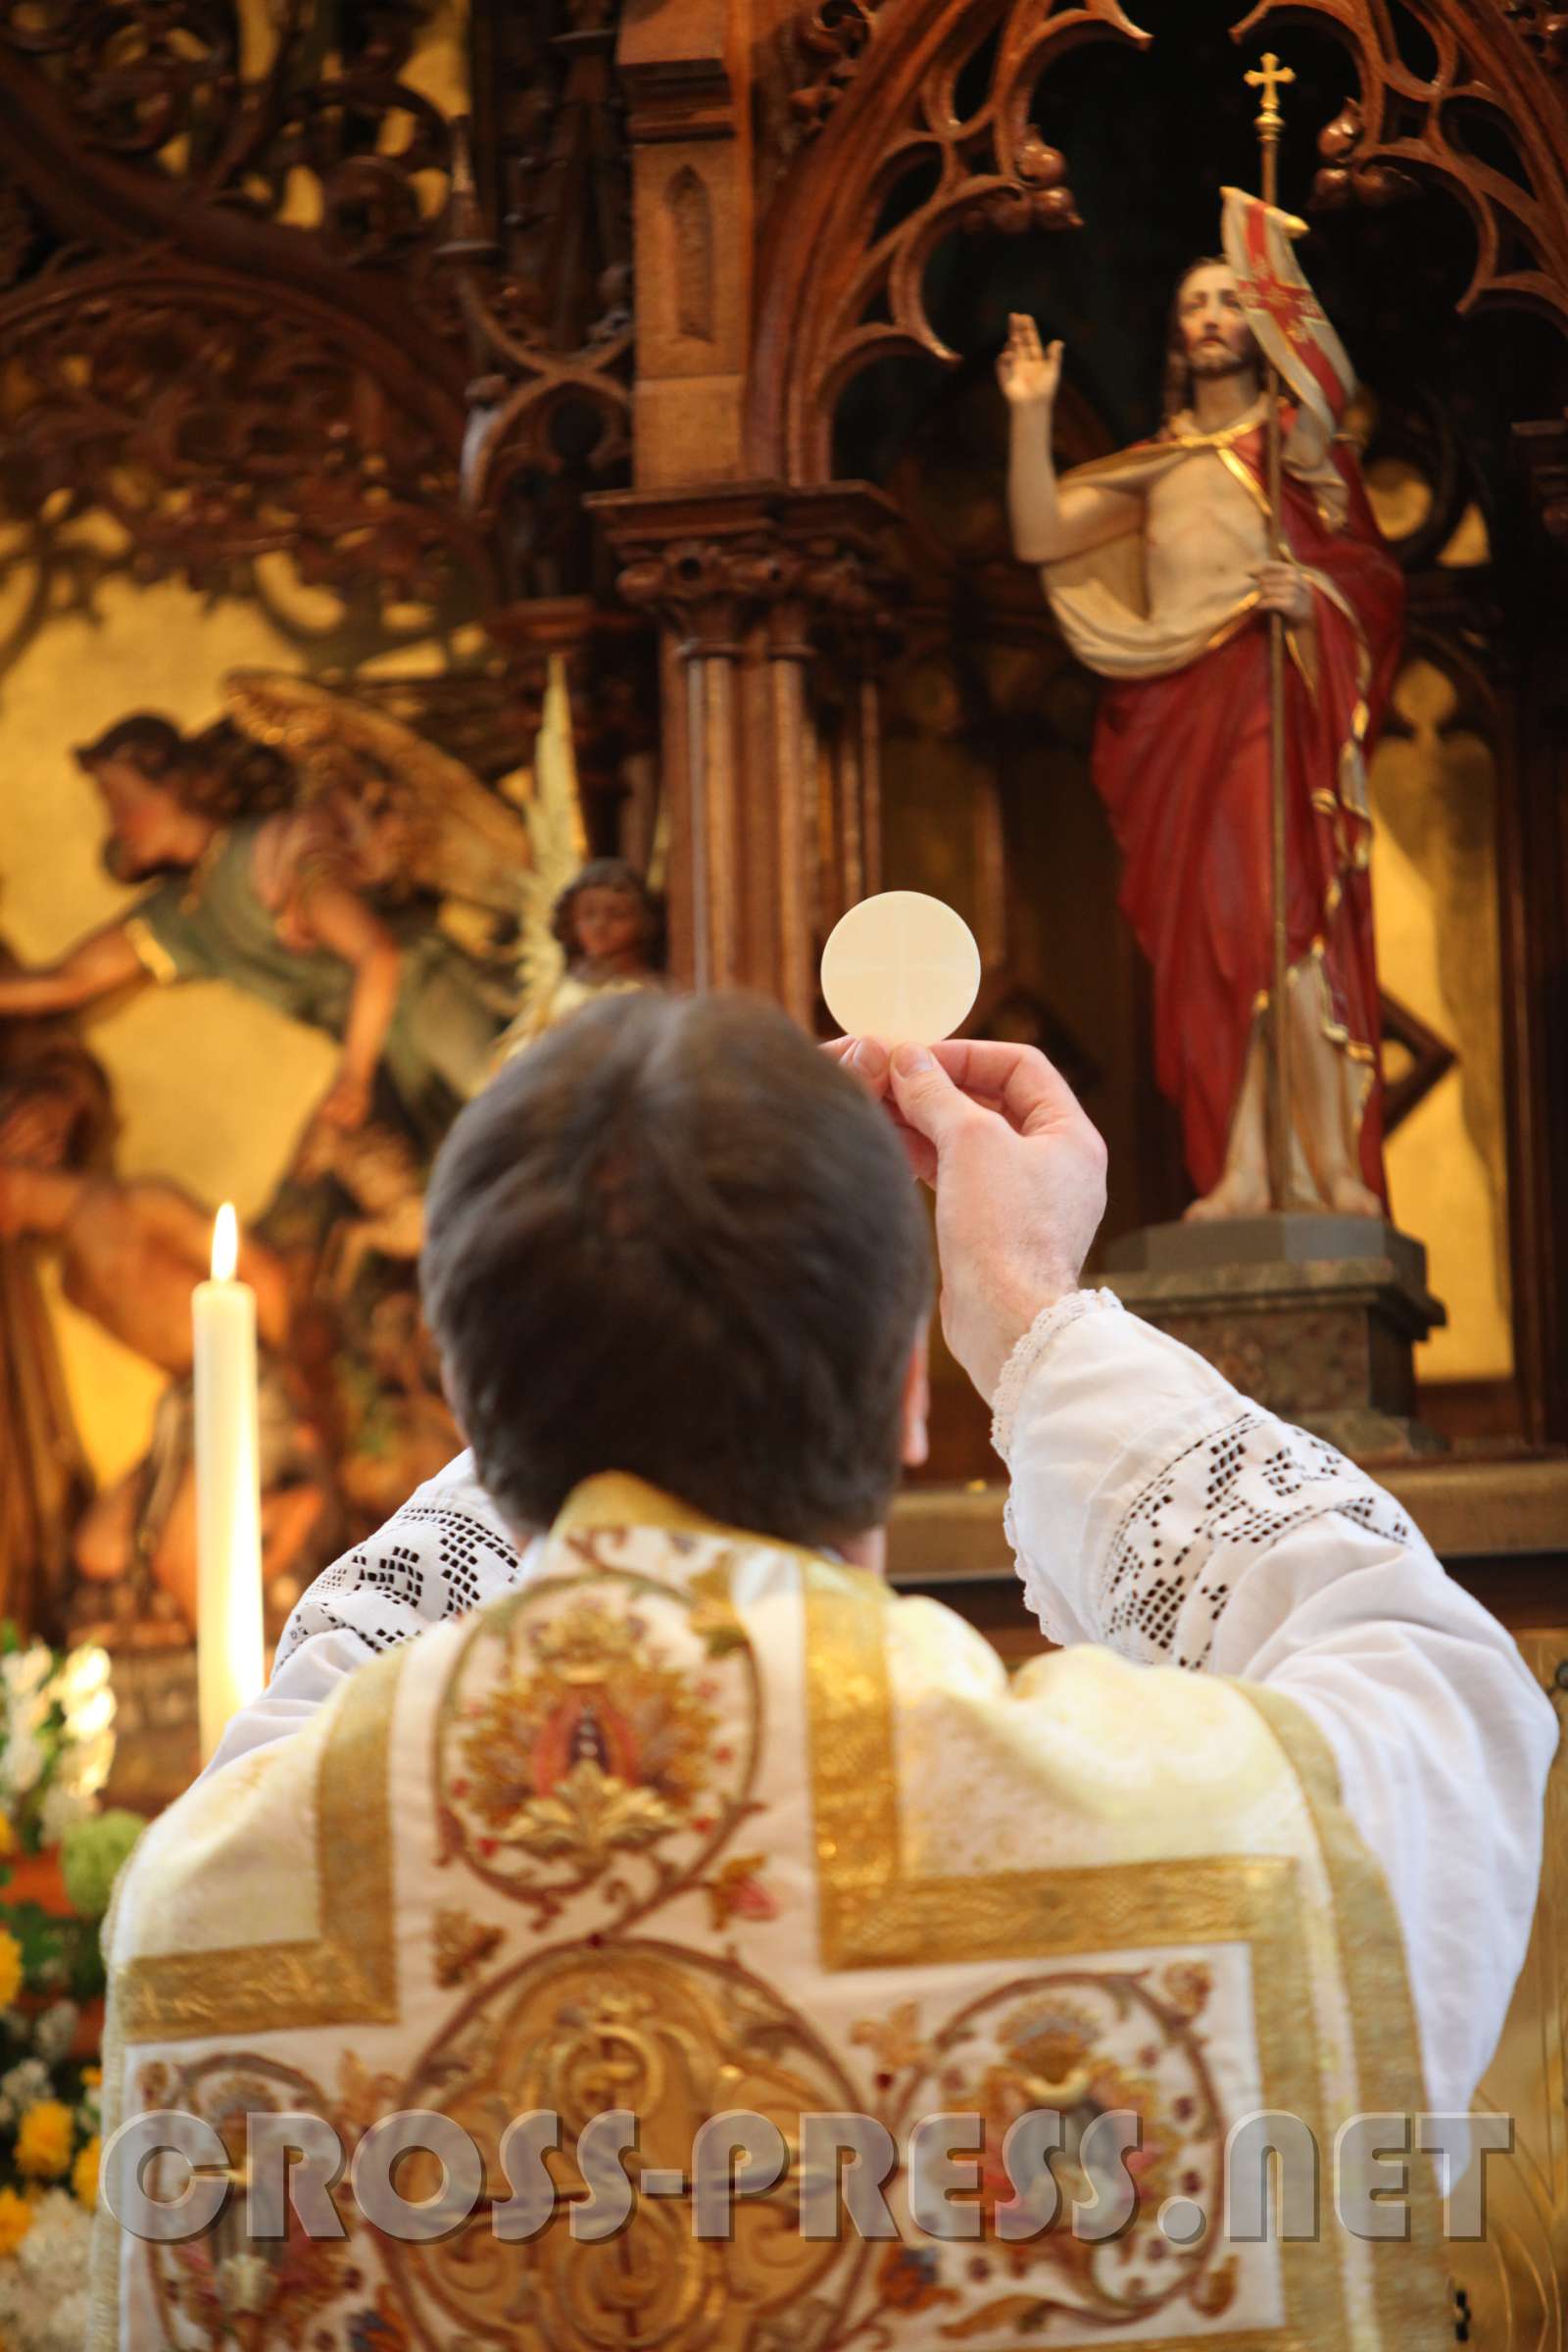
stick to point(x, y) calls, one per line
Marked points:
point(649, 343)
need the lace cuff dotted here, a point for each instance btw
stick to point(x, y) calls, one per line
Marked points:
point(1190, 1534)
point(1047, 1326)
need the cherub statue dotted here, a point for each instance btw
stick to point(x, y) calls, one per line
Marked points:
point(587, 929)
point(608, 929)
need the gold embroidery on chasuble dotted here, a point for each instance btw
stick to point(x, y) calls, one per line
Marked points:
point(598, 1734)
point(674, 2036)
point(224, 2287)
point(1258, 1928)
point(330, 1959)
point(669, 1840)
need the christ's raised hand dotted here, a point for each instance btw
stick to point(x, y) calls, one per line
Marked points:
point(1028, 375)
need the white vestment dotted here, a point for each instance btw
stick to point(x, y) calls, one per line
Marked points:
point(680, 1820)
point(1154, 1509)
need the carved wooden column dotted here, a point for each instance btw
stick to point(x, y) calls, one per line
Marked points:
point(773, 606)
point(691, 585)
point(780, 586)
point(690, 126)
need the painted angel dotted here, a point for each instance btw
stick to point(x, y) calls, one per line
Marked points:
point(285, 848)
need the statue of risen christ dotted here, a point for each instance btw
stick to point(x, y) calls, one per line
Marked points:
point(1158, 567)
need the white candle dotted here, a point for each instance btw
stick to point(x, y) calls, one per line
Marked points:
point(228, 1503)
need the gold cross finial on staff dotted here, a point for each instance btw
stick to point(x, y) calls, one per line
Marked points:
point(1270, 80)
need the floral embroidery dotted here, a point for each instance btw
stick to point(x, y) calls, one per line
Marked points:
point(380, 2329)
point(597, 1724)
point(1083, 2044)
point(674, 2037)
point(600, 1746)
point(461, 1945)
point(363, 2098)
point(737, 1892)
point(910, 2280)
point(894, 2043)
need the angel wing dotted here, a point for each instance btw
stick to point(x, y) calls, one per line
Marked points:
point(468, 845)
point(558, 847)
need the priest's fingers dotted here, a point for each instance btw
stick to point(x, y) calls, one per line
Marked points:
point(1028, 1088)
point(1019, 1191)
point(867, 1058)
point(864, 1058)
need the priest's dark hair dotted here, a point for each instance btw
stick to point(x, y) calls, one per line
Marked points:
point(673, 1238)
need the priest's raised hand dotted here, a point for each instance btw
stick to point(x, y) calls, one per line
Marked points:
point(1019, 1175)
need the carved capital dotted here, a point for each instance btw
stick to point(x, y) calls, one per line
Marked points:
point(815, 569)
point(697, 585)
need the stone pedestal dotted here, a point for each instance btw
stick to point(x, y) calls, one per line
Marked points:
point(1315, 1316)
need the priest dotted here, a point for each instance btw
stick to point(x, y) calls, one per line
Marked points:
point(683, 1840)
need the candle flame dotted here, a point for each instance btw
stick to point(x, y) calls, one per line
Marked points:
point(225, 1244)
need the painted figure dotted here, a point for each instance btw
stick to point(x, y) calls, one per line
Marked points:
point(286, 866)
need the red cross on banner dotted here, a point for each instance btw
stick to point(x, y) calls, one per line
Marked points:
point(1282, 312)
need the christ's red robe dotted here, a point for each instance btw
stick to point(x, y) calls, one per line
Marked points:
point(1182, 762)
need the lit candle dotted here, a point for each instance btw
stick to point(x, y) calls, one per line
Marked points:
point(228, 1503)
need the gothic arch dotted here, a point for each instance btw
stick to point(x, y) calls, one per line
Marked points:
point(1497, 61)
point(837, 294)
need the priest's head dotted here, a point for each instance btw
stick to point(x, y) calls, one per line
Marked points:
point(672, 1238)
point(1207, 336)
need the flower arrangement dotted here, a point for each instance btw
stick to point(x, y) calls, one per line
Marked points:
point(59, 1857)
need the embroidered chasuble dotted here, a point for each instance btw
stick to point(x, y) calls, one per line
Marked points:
point(694, 1822)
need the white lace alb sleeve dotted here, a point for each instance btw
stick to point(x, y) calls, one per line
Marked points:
point(442, 1553)
point(1154, 1509)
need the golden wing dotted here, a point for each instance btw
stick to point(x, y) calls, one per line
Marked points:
point(468, 843)
point(558, 847)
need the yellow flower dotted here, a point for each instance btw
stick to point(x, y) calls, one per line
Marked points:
point(91, 2076)
point(84, 2175)
point(8, 1837)
point(16, 2219)
point(43, 2142)
point(10, 1968)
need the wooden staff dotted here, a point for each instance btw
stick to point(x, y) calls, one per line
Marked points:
point(1270, 122)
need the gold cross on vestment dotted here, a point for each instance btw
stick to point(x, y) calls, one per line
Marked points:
point(1270, 79)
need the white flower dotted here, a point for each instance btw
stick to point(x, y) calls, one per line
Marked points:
point(83, 1675)
point(61, 1809)
point(65, 2329)
point(53, 2261)
point(25, 1672)
point(91, 1716)
point(17, 2300)
point(96, 1758)
point(25, 2083)
point(55, 2031)
point(20, 1763)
